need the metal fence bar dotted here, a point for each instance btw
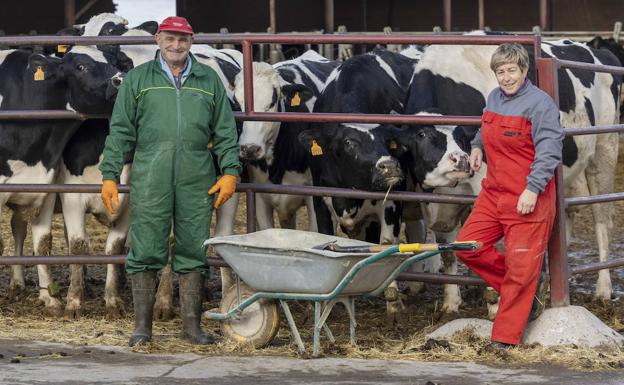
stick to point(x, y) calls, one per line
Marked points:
point(202, 38)
point(589, 67)
point(406, 196)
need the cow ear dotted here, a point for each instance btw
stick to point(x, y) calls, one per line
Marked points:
point(148, 26)
point(311, 141)
point(296, 94)
point(41, 67)
point(123, 62)
point(394, 140)
point(595, 42)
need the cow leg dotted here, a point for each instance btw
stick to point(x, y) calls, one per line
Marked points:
point(390, 220)
point(226, 216)
point(312, 225)
point(19, 227)
point(163, 307)
point(452, 295)
point(42, 244)
point(600, 175)
point(116, 245)
point(74, 215)
point(324, 219)
point(416, 232)
point(264, 212)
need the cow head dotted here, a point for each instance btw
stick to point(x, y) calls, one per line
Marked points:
point(434, 155)
point(608, 44)
point(271, 94)
point(92, 81)
point(352, 155)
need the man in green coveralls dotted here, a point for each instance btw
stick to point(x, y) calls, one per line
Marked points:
point(167, 112)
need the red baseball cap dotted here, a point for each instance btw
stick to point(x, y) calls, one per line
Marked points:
point(176, 24)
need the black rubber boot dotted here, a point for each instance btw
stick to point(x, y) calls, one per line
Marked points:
point(191, 289)
point(143, 297)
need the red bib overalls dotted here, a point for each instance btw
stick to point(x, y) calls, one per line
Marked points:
point(510, 151)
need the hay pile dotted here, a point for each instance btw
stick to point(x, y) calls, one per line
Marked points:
point(19, 321)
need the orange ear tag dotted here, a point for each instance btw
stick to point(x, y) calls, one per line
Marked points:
point(61, 48)
point(296, 100)
point(39, 74)
point(316, 150)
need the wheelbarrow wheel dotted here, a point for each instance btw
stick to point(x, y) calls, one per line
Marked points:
point(256, 325)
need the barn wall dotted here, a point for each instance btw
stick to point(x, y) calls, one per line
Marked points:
point(45, 16)
point(402, 15)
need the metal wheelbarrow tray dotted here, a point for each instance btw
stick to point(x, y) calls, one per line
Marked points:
point(284, 261)
point(281, 264)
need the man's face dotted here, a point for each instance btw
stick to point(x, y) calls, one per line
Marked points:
point(510, 77)
point(174, 46)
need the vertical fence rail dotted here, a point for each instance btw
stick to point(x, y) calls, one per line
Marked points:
point(557, 247)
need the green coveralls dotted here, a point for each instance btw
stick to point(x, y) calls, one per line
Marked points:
point(169, 131)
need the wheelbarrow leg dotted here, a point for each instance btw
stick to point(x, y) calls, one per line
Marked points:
point(293, 327)
point(329, 305)
point(349, 304)
point(316, 350)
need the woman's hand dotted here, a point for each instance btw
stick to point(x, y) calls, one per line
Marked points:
point(476, 158)
point(526, 202)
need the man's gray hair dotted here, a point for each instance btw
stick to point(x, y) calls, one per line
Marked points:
point(510, 53)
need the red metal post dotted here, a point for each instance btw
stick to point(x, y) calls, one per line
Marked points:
point(251, 211)
point(557, 247)
point(248, 75)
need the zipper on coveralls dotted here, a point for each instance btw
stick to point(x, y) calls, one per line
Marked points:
point(177, 150)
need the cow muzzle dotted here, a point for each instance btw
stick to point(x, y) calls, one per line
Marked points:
point(390, 170)
point(250, 151)
point(460, 165)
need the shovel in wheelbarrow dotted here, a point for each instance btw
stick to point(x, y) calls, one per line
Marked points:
point(403, 247)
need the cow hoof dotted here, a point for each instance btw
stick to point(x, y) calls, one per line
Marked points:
point(73, 313)
point(115, 310)
point(391, 294)
point(444, 317)
point(16, 291)
point(55, 310)
point(163, 312)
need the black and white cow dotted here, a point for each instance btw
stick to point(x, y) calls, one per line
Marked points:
point(271, 150)
point(455, 80)
point(31, 150)
point(357, 155)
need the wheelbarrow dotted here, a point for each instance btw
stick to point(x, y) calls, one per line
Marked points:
point(280, 265)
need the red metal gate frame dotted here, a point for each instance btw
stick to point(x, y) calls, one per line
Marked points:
point(547, 80)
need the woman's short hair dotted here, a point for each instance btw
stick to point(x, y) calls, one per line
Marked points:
point(510, 53)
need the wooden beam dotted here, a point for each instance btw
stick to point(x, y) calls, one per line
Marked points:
point(447, 15)
point(543, 15)
point(70, 13)
point(481, 14)
point(329, 16)
point(85, 8)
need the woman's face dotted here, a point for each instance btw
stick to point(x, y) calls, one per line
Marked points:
point(510, 77)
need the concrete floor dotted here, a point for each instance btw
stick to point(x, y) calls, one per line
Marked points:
point(47, 363)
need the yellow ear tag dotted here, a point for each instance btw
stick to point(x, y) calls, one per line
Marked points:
point(296, 100)
point(39, 74)
point(61, 48)
point(392, 145)
point(316, 150)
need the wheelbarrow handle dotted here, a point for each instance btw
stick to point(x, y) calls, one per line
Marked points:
point(404, 247)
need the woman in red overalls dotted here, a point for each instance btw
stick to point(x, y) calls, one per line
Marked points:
point(522, 138)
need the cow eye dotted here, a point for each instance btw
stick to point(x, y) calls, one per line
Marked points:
point(349, 143)
point(81, 67)
point(421, 134)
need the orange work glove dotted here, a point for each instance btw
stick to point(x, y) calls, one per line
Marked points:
point(226, 185)
point(110, 196)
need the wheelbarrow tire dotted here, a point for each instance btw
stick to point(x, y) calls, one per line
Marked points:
point(256, 325)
